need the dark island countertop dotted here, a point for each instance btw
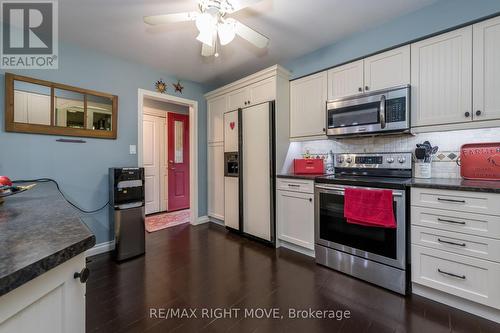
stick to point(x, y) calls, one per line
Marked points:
point(38, 231)
point(458, 184)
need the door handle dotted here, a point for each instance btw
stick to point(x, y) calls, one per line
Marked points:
point(463, 277)
point(83, 275)
point(451, 243)
point(450, 221)
point(451, 200)
point(382, 111)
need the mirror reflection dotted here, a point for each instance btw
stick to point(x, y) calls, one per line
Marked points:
point(69, 108)
point(99, 113)
point(31, 103)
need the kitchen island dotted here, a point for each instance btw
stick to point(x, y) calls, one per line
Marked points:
point(43, 241)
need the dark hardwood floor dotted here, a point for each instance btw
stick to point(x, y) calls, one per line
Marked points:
point(208, 267)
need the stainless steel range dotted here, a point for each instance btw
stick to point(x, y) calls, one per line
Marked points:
point(374, 254)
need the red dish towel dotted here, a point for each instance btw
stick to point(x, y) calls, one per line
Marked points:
point(371, 208)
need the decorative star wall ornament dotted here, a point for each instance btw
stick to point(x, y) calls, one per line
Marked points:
point(161, 86)
point(178, 86)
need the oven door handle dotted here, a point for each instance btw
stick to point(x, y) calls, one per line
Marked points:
point(382, 111)
point(340, 190)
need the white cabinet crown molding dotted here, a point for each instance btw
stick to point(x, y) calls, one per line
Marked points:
point(275, 70)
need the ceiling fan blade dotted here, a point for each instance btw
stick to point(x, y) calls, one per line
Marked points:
point(207, 50)
point(240, 4)
point(254, 37)
point(170, 18)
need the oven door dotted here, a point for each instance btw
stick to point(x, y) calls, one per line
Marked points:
point(383, 245)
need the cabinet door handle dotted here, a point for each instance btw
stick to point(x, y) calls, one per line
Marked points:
point(450, 221)
point(83, 275)
point(310, 200)
point(451, 243)
point(324, 130)
point(463, 277)
point(367, 88)
point(467, 114)
point(451, 200)
point(293, 185)
point(360, 89)
point(478, 112)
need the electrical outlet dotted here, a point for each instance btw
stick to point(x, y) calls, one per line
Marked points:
point(132, 149)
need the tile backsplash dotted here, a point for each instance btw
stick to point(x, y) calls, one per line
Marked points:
point(444, 164)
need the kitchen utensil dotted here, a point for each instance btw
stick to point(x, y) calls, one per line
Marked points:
point(420, 153)
point(480, 161)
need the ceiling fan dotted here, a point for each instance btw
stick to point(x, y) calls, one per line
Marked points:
point(214, 25)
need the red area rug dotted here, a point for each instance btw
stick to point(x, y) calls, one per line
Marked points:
point(164, 220)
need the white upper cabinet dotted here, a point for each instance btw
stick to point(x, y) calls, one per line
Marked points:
point(441, 79)
point(237, 99)
point(486, 69)
point(388, 69)
point(262, 91)
point(345, 80)
point(308, 105)
point(216, 109)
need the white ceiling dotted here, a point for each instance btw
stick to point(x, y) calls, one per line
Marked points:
point(295, 27)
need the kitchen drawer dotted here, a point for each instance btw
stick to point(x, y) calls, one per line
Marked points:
point(474, 246)
point(462, 276)
point(295, 185)
point(464, 201)
point(468, 223)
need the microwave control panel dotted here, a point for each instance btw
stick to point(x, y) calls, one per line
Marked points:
point(395, 110)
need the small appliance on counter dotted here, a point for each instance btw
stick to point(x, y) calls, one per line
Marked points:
point(304, 166)
point(480, 161)
point(126, 211)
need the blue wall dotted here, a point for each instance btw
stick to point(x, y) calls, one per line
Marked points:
point(439, 16)
point(81, 169)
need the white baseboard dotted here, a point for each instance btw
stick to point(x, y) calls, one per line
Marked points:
point(296, 248)
point(100, 248)
point(457, 302)
point(216, 221)
point(201, 220)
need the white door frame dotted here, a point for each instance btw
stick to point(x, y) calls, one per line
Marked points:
point(193, 141)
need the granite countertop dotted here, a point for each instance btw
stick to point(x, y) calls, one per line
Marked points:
point(487, 186)
point(38, 231)
point(305, 176)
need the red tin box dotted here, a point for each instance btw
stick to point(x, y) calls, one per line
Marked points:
point(308, 166)
point(480, 161)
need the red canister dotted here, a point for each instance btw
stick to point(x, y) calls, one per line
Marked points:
point(308, 166)
point(480, 161)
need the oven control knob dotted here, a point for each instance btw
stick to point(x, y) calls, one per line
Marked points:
point(348, 160)
point(402, 160)
point(390, 160)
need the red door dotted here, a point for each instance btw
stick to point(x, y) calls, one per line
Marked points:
point(178, 161)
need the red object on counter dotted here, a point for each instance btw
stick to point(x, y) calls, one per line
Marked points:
point(308, 166)
point(480, 161)
point(371, 208)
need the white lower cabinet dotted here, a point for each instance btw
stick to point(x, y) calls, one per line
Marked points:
point(295, 217)
point(54, 302)
point(455, 248)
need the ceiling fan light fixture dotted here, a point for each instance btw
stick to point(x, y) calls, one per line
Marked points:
point(206, 37)
point(205, 22)
point(226, 31)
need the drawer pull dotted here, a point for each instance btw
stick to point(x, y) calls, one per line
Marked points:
point(450, 221)
point(451, 243)
point(293, 185)
point(451, 274)
point(451, 200)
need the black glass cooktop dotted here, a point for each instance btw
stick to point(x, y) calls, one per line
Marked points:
point(382, 182)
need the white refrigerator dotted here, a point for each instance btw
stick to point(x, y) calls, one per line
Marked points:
point(252, 131)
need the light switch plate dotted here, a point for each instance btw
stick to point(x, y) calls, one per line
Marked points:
point(133, 149)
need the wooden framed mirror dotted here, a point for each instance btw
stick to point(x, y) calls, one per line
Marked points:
point(44, 107)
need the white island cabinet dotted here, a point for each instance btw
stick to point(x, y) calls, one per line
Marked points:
point(53, 302)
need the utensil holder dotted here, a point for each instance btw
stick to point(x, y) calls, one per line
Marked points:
point(423, 170)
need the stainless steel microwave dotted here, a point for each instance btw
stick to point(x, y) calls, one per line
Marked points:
point(380, 111)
